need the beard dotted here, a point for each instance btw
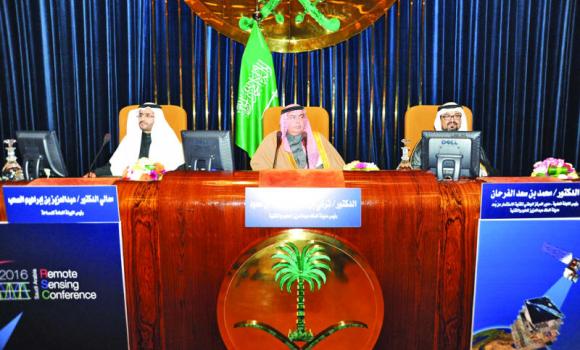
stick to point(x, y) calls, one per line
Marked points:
point(452, 126)
point(145, 127)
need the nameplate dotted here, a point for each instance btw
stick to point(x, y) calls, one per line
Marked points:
point(530, 200)
point(303, 207)
point(61, 204)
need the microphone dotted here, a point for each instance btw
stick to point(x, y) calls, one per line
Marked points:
point(304, 142)
point(106, 140)
point(278, 142)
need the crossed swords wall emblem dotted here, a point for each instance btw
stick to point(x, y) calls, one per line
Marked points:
point(309, 8)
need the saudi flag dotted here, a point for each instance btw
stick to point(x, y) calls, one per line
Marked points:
point(257, 91)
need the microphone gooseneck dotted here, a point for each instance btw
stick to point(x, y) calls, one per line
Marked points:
point(305, 143)
point(106, 140)
point(278, 142)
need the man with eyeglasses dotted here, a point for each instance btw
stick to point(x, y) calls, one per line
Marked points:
point(295, 146)
point(451, 117)
point(148, 135)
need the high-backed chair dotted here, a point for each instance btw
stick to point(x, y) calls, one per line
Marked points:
point(176, 118)
point(317, 116)
point(420, 118)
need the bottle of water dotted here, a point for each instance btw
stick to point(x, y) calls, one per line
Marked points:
point(405, 164)
point(12, 171)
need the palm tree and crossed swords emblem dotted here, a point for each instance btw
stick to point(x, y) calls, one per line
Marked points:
point(269, 7)
point(300, 267)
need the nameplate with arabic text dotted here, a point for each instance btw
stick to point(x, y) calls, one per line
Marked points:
point(303, 207)
point(61, 204)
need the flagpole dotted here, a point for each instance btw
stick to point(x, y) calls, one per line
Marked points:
point(257, 16)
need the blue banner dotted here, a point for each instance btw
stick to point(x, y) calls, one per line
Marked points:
point(303, 207)
point(526, 292)
point(530, 200)
point(61, 204)
point(61, 287)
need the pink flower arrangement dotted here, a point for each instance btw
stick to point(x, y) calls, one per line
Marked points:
point(144, 170)
point(556, 168)
point(360, 166)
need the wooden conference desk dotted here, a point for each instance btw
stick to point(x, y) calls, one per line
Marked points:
point(182, 234)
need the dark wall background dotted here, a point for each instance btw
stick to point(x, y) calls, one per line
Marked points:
point(70, 66)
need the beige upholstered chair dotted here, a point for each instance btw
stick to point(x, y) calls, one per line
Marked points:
point(176, 118)
point(317, 116)
point(420, 118)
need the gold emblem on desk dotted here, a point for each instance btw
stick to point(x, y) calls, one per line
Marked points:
point(293, 25)
point(300, 289)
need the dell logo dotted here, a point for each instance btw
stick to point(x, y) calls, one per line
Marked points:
point(449, 142)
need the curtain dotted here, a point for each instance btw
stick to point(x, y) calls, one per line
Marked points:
point(70, 66)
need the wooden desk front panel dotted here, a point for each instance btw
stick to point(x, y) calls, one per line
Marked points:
point(417, 234)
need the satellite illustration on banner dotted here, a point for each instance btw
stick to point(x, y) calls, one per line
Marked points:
point(571, 262)
point(528, 300)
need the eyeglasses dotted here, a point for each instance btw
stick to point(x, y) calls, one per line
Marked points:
point(295, 117)
point(145, 115)
point(448, 117)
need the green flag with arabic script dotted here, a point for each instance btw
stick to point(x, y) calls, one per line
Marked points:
point(257, 91)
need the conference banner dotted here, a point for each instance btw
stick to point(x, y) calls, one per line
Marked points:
point(528, 264)
point(61, 284)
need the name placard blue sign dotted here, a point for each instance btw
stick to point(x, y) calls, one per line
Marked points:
point(303, 207)
point(61, 204)
point(530, 200)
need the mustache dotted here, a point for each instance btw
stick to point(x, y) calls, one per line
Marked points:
point(452, 126)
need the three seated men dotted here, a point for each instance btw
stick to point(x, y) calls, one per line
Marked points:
point(294, 146)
